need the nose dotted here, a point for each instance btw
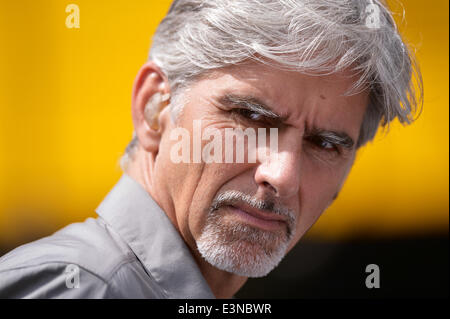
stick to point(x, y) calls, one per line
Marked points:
point(279, 173)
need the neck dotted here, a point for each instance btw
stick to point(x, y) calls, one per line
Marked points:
point(222, 284)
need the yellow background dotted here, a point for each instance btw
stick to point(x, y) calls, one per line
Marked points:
point(65, 120)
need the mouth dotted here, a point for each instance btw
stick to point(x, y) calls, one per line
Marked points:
point(257, 218)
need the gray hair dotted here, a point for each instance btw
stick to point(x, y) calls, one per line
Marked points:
point(310, 36)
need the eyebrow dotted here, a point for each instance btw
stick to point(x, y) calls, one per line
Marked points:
point(254, 104)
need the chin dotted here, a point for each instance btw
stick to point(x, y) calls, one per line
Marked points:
point(242, 250)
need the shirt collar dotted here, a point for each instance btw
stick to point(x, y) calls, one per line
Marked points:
point(144, 226)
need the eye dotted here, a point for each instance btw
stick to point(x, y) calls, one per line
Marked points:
point(248, 114)
point(323, 144)
point(327, 145)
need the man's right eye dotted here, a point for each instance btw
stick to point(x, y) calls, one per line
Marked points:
point(248, 114)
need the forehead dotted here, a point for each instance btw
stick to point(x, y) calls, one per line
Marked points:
point(316, 100)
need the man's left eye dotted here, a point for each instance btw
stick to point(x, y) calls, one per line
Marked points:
point(327, 145)
point(324, 144)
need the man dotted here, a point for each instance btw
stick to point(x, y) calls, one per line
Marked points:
point(189, 220)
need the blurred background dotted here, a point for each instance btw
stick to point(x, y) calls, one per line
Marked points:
point(65, 120)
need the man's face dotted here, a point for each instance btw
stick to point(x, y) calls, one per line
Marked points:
point(244, 217)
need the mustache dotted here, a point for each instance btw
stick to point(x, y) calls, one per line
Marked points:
point(233, 197)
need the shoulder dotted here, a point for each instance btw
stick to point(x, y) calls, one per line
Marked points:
point(90, 251)
point(91, 244)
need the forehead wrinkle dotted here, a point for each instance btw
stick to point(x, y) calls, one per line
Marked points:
point(326, 123)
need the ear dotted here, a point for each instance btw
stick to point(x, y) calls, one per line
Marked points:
point(150, 95)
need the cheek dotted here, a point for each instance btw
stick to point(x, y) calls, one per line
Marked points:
point(200, 201)
point(317, 190)
point(190, 186)
point(215, 178)
point(176, 182)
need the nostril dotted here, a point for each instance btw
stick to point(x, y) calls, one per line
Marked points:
point(268, 185)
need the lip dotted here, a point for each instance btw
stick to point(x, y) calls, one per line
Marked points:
point(260, 219)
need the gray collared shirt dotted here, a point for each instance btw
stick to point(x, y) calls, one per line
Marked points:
point(132, 250)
